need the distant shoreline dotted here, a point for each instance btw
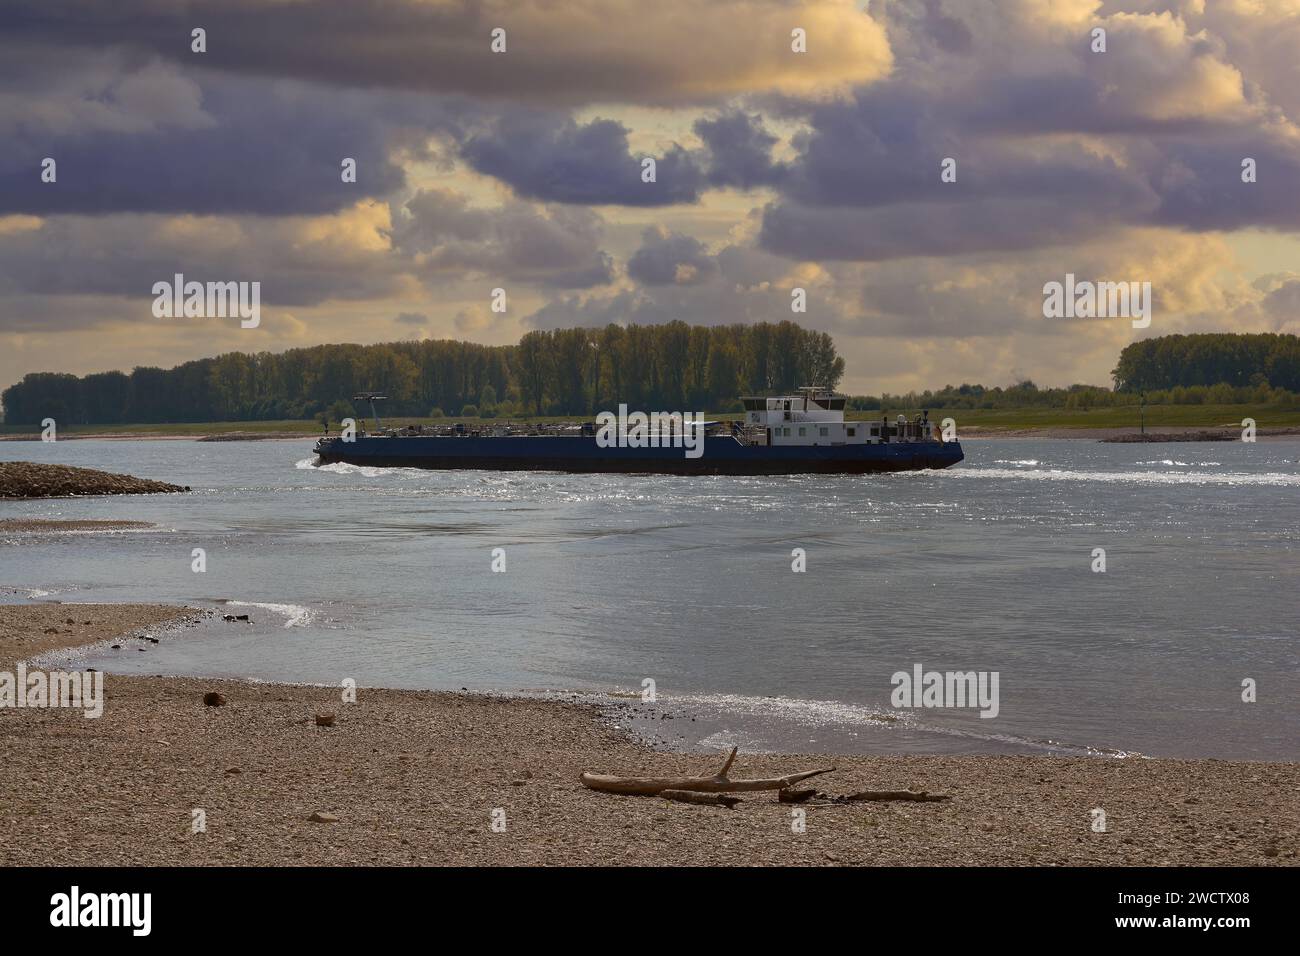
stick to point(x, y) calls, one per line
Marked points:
point(1174, 433)
point(968, 433)
point(146, 435)
point(413, 777)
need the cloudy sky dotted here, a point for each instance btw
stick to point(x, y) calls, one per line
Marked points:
point(775, 169)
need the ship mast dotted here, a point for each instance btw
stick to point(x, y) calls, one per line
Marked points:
point(371, 397)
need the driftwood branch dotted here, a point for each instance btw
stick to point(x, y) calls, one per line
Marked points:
point(717, 783)
point(709, 790)
point(693, 796)
point(919, 796)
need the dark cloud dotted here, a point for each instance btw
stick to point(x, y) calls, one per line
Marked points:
point(671, 259)
point(887, 146)
point(739, 151)
point(682, 51)
point(949, 33)
point(239, 146)
point(736, 285)
point(596, 311)
point(437, 237)
point(1059, 151)
point(132, 135)
point(932, 229)
point(701, 305)
point(40, 312)
point(555, 159)
point(1200, 184)
point(1068, 146)
point(557, 247)
point(124, 255)
point(1282, 303)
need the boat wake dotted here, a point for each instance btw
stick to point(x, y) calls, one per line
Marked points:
point(342, 468)
point(295, 615)
point(1274, 479)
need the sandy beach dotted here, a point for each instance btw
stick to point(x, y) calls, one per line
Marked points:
point(414, 778)
point(57, 526)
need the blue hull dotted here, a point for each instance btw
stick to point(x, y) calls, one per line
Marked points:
point(723, 455)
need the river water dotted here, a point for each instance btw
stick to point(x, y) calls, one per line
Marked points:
point(385, 576)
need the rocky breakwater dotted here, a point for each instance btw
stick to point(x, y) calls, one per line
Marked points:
point(26, 479)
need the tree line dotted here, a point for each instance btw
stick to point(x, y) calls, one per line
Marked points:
point(1208, 359)
point(1224, 368)
point(1027, 394)
point(579, 371)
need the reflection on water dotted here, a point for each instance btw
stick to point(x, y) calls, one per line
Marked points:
point(384, 575)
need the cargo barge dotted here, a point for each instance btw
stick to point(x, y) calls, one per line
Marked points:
point(788, 434)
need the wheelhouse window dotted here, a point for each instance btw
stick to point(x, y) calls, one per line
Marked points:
point(802, 431)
